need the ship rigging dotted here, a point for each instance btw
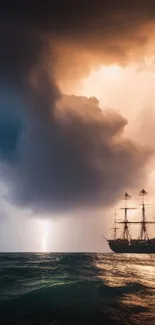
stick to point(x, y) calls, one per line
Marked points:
point(126, 244)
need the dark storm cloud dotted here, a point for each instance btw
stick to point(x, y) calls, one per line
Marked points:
point(69, 16)
point(99, 26)
point(20, 47)
point(83, 33)
point(78, 158)
point(67, 153)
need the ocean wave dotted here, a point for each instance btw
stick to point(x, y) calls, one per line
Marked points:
point(76, 289)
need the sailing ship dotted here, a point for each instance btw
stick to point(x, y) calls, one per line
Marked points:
point(125, 244)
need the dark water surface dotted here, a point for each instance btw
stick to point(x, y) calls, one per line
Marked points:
point(77, 289)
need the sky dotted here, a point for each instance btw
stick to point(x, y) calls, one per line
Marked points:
point(77, 120)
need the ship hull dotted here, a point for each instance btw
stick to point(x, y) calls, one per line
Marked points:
point(136, 247)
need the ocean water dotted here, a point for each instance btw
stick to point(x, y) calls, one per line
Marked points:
point(77, 289)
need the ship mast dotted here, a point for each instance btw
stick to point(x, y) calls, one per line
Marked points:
point(126, 234)
point(143, 232)
point(115, 228)
point(143, 222)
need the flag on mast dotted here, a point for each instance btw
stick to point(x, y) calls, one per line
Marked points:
point(143, 192)
point(127, 196)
